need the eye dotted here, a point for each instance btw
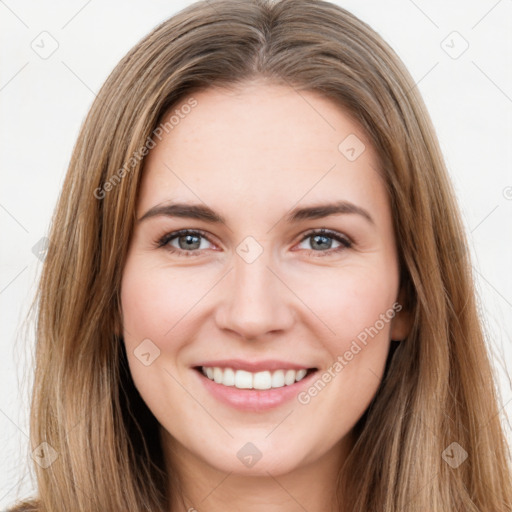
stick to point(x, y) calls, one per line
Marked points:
point(321, 242)
point(187, 242)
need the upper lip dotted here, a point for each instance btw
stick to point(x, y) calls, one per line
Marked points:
point(254, 366)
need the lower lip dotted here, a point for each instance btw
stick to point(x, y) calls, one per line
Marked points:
point(254, 399)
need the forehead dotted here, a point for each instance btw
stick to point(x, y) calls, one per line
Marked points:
point(260, 145)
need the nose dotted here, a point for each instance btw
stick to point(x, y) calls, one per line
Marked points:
point(256, 300)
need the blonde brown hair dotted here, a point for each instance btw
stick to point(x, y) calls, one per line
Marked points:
point(438, 386)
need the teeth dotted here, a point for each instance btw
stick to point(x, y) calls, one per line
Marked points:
point(242, 379)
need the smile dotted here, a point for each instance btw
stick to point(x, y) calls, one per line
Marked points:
point(254, 391)
point(242, 379)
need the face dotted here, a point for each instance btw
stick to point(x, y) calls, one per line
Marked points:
point(254, 277)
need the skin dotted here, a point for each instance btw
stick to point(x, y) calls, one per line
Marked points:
point(252, 155)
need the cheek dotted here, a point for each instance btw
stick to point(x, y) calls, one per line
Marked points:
point(159, 304)
point(154, 300)
point(349, 300)
point(357, 307)
point(154, 303)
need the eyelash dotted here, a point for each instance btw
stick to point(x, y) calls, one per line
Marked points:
point(163, 242)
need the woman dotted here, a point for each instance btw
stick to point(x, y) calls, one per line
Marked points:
point(196, 351)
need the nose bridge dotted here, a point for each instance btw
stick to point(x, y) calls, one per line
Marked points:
point(256, 301)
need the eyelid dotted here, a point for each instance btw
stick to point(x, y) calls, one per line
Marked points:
point(330, 233)
point(168, 236)
point(345, 241)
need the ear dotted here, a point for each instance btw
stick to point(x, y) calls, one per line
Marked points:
point(401, 323)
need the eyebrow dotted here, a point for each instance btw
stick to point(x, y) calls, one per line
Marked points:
point(204, 213)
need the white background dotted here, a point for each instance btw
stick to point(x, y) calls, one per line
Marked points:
point(44, 101)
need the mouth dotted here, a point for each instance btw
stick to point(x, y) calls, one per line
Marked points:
point(257, 391)
point(259, 381)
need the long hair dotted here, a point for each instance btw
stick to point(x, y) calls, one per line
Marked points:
point(437, 400)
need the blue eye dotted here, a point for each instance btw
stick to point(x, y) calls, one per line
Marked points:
point(322, 239)
point(189, 242)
